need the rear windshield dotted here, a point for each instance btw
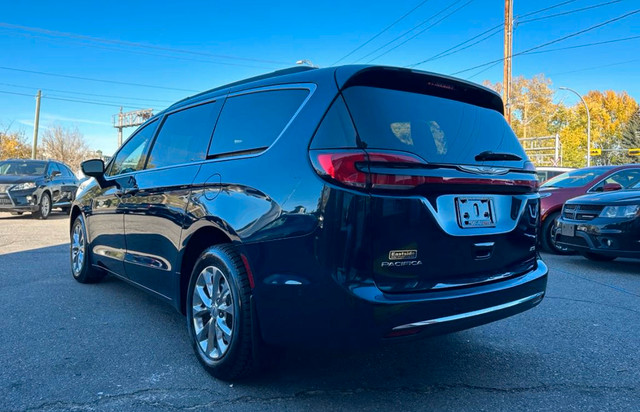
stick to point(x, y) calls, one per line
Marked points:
point(437, 129)
point(575, 178)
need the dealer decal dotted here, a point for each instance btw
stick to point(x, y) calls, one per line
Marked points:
point(403, 254)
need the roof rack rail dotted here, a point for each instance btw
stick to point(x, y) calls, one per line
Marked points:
point(281, 72)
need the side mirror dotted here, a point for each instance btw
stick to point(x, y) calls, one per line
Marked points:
point(93, 168)
point(55, 173)
point(612, 187)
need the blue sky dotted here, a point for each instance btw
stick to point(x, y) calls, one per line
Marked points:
point(194, 46)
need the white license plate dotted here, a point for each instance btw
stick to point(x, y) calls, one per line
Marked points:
point(568, 229)
point(475, 212)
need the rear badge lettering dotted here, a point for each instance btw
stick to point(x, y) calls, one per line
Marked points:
point(404, 263)
point(403, 254)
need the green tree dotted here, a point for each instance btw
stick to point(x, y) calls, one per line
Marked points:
point(631, 135)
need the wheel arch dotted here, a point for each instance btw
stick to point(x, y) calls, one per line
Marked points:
point(194, 245)
point(75, 212)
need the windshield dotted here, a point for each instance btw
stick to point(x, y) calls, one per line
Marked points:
point(575, 178)
point(437, 129)
point(22, 168)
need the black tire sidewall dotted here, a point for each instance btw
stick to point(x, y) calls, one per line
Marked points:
point(222, 258)
point(547, 242)
point(40, 214)
point(84, 276)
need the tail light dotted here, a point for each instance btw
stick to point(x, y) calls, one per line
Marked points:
point(361, 169)
point(352, 168)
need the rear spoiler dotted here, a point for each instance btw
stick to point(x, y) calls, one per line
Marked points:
point(414, 81)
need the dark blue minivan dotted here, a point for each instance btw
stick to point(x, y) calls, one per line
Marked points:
point(322, 207)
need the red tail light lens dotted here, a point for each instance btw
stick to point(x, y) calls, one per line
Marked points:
point(353, 169)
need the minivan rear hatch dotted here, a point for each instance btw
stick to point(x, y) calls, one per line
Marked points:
point(453, 195)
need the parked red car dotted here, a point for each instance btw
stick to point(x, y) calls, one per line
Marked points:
point(555, 192)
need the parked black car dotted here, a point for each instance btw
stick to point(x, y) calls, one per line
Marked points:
point(36, 186)
point(602, 226)
point(324, 207)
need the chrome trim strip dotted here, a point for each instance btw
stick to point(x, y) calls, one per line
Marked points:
point(479, 312)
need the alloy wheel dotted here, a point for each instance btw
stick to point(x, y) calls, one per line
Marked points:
point(77, 249)
point(45, 205)
point(213, 312)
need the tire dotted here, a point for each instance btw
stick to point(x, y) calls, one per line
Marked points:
point(81, 269)
point(226, 347)
point(44, 208)
point(546, 238)
point(598, 257)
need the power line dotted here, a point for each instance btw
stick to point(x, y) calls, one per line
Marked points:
point(141, 52)
point(72, 100)
point(449, 51)
point(564, 13)
point(95, 80)
point(380, 32)
point(85, 94)
point(596, 67)
point(567, 48)
point(552, 41)
point(422, 31)
point(133, 44)
point(422, 23)
point(531, 13)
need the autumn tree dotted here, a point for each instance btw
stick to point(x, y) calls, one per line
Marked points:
point(64, 144)
point(13, 145)
point(631, 135)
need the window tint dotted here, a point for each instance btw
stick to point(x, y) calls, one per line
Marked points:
point(254, 121)
point(575, 178)
point(132, 155)
point(625, 178)
point(64, 170)
point(336, 129)
point(437, 129)
point(52, 168)
point(184, 136)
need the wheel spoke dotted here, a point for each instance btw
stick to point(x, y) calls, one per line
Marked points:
point(226, 308)
point(200, 310)
point(203, 333)
point(202, 296)
point(211, 338)
point(221, 325)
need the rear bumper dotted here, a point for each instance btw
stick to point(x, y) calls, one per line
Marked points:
point(335, 316)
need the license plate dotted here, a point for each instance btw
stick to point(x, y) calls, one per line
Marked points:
point(568, 229)
point(475, 212)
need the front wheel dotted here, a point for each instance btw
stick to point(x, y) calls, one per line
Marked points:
point(548, 236)
point(219, 313)
point(598, 257)
point(81, 268)
point(44, 207)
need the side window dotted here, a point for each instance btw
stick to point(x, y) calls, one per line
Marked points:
point(52, 168)
point(625, 178)
point(252, 122)
point(336, 129)
point(184, 136)
point(132, 155)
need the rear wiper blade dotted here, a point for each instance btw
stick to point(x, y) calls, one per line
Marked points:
point(489, 155)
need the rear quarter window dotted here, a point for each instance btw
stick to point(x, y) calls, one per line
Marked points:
point(252, 122)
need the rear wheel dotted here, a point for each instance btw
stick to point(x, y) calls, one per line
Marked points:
point(44, 208)
point(81, 268)
point(219, 314)
point(548, 236)
point(598, 257)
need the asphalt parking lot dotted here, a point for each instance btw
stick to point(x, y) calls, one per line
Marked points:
point(109, 346)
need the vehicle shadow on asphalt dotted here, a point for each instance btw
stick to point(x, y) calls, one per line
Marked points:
point(619, 266)
point(28, 216)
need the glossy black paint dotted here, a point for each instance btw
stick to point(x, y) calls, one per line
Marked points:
point(314, 247)
point(608, 236)
point(61, 187)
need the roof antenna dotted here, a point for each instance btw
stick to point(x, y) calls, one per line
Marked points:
point(307, 62)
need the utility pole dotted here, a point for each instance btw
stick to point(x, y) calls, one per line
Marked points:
point(36, 122)
point(508, 52)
